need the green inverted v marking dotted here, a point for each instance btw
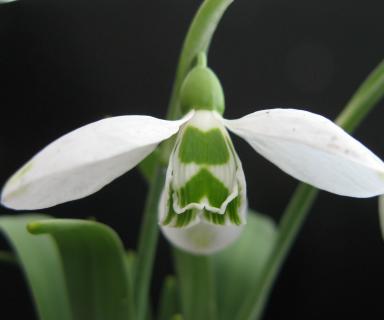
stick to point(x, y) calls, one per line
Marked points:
point(202, 147)
point(203, 184)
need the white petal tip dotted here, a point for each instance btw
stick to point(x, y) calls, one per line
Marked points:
point(12, 199)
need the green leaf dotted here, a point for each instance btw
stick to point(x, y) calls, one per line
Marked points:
point(238, 268)
point(41, 263)
point(78, 271)
point(195, 280)
point(95, 267)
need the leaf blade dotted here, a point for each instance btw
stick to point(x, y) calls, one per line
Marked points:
point(240, 265)
point(95, 266)
point(41, 265)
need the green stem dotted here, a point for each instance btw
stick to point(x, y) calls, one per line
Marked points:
point(7, 257)
point(364, 99)
point(198, 39)
point(195, 279)
point(361, 103)
point(147, 245)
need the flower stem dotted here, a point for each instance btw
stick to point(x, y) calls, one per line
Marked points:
point(362, 102)
point(196, 283)
point(368, 94)
point(197, 40)
point(147, 245)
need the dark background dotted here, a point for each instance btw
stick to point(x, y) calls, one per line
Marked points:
point(65, 63)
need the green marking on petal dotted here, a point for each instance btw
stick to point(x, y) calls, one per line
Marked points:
point(232, 210)
point(215, 218)
point(204, 148)
point(231, 213)
point(201, 147)
point(183, 219)
point(171, 213)
point(203, 184)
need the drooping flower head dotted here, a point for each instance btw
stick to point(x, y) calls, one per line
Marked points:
point(203, 204)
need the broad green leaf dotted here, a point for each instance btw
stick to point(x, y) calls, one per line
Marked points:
point(95, 267)
point(238, 267)
point(40, 259)
point(195, 280)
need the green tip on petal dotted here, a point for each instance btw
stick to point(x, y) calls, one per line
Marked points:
point(201, 89)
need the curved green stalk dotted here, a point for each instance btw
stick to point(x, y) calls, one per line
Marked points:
point(368, 94)
point(196, 284)
point(147, 245)
point(197, 40)
point(364, 99)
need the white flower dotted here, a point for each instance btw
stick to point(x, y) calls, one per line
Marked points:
point(203, 205)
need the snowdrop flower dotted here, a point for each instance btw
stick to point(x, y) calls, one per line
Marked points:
point(203, 204)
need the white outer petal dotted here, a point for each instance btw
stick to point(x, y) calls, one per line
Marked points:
point(202, 238)
point(83, 161)
point(312, 149)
